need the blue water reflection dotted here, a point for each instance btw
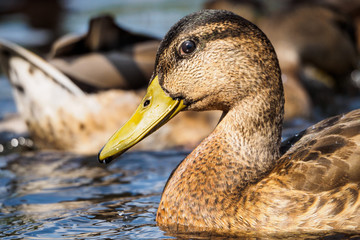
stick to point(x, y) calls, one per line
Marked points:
point(57, 195)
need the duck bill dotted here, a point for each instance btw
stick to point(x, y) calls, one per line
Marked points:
point(155, 110)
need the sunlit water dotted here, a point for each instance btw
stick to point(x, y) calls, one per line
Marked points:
point(54, 195)
point(57, 195)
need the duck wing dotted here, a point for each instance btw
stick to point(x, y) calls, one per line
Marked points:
point(324, 157)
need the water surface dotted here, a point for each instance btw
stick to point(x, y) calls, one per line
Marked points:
point(49, 195)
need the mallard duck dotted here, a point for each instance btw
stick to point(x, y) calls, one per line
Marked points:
point(239, 180)
point(104, 82)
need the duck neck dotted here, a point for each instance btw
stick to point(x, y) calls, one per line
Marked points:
point(250, 134)
point(242, 149)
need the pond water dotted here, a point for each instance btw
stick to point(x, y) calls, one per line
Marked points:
point(49, 195)
point(56, 195)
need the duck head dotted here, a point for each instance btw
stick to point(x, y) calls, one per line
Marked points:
point(209, 60)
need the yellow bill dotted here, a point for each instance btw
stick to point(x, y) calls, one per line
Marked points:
point(155, 110)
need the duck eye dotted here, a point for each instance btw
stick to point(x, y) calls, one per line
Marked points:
point(146, 103)
point(187, 47)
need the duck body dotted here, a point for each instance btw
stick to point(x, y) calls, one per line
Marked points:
point(313, 187)
point(240, 179)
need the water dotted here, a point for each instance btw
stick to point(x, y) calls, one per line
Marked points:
point(7, 103)
point(49, 195)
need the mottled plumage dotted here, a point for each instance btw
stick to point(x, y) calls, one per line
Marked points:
point(240, 179)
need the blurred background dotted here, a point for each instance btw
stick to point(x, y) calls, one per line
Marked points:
point(65, 194)
point(36, 24)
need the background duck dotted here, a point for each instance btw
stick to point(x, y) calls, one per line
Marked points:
point(316, 46)
point(102, 73)
point(237, 180)
point(106, 57)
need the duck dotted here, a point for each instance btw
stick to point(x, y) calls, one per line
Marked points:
point(85, 82)
point(106, 57)
point(241, 179)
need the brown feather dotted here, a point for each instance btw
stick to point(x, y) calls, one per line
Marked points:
point(239, 180)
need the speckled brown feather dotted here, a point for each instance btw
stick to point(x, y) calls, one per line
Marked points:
point(316, 183)
point(236, 180)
